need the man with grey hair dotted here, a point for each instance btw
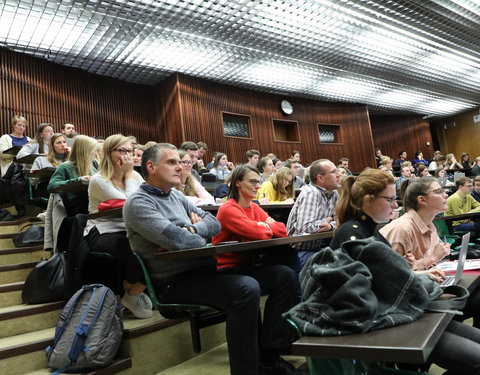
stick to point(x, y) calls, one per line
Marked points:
point(314, 209)
point(158, 219)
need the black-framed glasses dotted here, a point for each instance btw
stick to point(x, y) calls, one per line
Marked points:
point(391, 200)
point(186, 163)
point(123, 151)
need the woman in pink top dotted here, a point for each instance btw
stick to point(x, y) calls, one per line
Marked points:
point(414, 236)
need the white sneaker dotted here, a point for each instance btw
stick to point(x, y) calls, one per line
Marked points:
point(41, 216)
point(146, 301)
point(137, 305)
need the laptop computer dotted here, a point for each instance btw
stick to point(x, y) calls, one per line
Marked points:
point(462, 256)
point(442, 181)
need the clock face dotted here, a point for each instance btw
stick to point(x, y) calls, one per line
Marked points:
point(287, 107)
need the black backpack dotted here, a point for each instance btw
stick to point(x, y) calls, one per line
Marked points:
point(15, 184)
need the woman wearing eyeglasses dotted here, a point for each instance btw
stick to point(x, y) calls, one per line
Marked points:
point(117, 180)
point(243, 220)
point(190, 187)
point(368, 200)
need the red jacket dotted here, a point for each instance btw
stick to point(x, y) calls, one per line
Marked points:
point(241, 224)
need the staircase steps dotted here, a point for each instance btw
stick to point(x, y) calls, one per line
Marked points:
point(20, 319)
point(148, 345)
point(11, 294)
point(17, 255)
point(12, 273)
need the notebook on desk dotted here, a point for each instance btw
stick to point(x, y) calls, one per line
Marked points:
point(462, 256)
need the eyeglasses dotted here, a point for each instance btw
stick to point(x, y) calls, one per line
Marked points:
point(436, 191)
point(335, 171)
point(122, 151)
point(391, 200)
point(186, 163)
point(253, 182)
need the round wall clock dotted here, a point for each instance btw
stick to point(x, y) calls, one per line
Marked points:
point(287, 107)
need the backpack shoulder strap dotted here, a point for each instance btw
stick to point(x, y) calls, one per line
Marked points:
point(64, 318)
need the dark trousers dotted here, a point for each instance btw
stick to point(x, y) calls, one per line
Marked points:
point(118, 245)
point(237, 291)
point(458, 350)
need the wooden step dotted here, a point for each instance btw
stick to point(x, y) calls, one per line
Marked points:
point(6, 241)
point(20, 319)
point(25, 354)
point(18, 255)
point(13, 273)
point(15, 226)
point(11, 294)
point(117, 366)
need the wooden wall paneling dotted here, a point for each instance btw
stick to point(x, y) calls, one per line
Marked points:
point(395, 133)
point(168, 117)
point(203, 102)
point(46, 92)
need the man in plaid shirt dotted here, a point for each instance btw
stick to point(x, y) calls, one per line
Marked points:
point(314, 209)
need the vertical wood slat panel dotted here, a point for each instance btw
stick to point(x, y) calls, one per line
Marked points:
point(47, 92)
point(410, 133)
point(203, 102)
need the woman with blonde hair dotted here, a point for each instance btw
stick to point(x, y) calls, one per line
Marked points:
point(15, 138)
point(279, 188)
point(190, 187)
point(57, 153)
point(452, 162)
point(117, 180)
point(78, 167)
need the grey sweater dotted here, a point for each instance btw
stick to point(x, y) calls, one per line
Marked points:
point(154, 221)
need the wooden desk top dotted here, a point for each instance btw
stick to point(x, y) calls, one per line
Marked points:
point(239, 246)
point(30, 158)
point(408, 343)
point(13, 150)
point(43, 173)
point(76, 186)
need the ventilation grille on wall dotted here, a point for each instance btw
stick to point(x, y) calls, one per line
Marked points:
point(235, 126)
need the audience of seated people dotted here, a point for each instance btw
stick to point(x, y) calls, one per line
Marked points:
point(313, 211)
point(369, 200)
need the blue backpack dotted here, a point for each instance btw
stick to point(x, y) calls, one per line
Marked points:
point(88, 332)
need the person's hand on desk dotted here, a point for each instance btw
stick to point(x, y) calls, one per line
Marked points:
point(85, 178)
point(269, 220)
point(287, 201)
point(435, 274)
point(263, 201)
point(325, 227)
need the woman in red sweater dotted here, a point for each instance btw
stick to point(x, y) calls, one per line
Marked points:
point(243, 220)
